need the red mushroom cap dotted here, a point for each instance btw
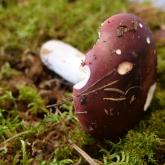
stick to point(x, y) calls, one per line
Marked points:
point(121, 80)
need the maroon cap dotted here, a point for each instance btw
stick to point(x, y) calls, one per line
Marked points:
point(121, 77)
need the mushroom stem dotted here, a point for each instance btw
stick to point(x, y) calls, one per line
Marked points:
point(64, 60)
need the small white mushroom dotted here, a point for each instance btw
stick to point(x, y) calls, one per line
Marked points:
point(64, 60)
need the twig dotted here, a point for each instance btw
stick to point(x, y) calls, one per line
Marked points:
point(61, 103)
point(84, 154)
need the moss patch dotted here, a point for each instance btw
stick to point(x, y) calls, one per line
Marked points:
point(37, 121)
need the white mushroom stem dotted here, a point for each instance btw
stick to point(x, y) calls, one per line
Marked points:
point(64, 60)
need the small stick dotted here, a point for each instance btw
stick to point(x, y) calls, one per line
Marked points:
point(84, 154)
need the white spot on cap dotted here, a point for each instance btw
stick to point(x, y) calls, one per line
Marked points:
point(124, 67)
point(118, 51)
point(148, 40)
point(141, 25)
point(149, 96)
point(106, 111)
point(82, 83)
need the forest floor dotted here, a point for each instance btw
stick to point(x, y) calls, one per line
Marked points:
point(37, 120)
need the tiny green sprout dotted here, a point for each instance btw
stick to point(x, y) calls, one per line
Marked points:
point(24, 153)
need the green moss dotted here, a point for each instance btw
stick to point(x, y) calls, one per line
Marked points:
point(141, 147)
point(7, 72)
point(40, 20)
point(7, 100)
point(161, 62)
point(135, 149)
point(25, 26)
point(31, 97)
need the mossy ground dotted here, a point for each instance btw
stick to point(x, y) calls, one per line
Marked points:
point(35, 131)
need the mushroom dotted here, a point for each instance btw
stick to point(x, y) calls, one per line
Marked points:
point(121, 77)
point(63, 59)
point(116, 80)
